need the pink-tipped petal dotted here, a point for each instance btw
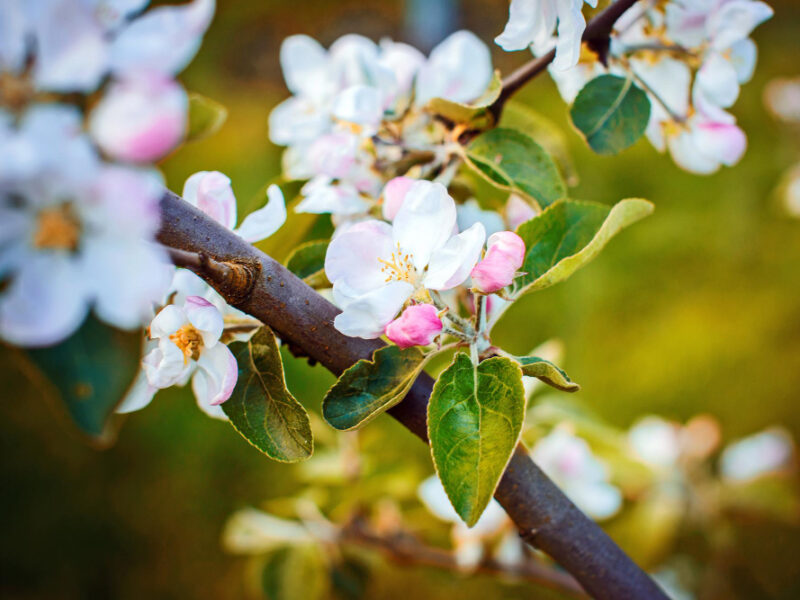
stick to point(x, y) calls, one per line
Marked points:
point(218, 371)
point(393, 195)
point(206, 318)
point(211, 192)
point(417, 326)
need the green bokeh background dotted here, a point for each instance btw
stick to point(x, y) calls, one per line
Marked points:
point(696, 309)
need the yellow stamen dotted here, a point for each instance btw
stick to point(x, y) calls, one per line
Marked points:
point(400, 267)
point(189, 340)
point(58, 228)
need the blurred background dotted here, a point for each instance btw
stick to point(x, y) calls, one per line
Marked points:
point(695, 310)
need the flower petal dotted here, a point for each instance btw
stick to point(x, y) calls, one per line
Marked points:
point(304, 62)
point(459, 69)
point(217, 372)
point(451, 264)
point(168, 320)
point(360, 104)
point(211, 192)
point(323, 196)
point(425, 221)
point(206, 318)
point(418, 325)
point(262, 223)
point(166, 365)
point(352, 257)
point(368, 315)
point(140, 395)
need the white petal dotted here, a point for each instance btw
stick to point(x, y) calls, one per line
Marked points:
point(360, 104)
point(165, 366)
point(598, 500)
point(72, 53)
point(297, 120)
point(13, 31)
point(44, 303)
point(724, 142)
point(206, 318)
point(403, 61)
point(735, 20)
point(686, 154)
point(323, 196)
point(217, 372)
point(425, 221)
point(353, 256)
point(743, 57)
point(211, 192)
point(140, 395)
point(367, 316)
point(451, 264)
point(718, 81)
point(757, 455)
point(262, 223)
point(527, 22)
point(304, 62)
point(571, 25)
point(459, 69)
point(168, 320)
point(163, 40)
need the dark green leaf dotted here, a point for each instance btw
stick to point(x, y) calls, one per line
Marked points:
point(261, 408)
point(611, 112)
point(295, 573)
point(544, 370)
point(307, 261)
point(475, 114)
point(92, 371)
point(569, 234)
point(512, 161)
point(474, 421)
point(206, 116)
point(371, 387)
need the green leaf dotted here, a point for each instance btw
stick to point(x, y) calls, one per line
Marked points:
point(371, 387)
point(511, 160)
point(295, 573)
point(92, 370)
point(569, 234)
point(475, 418)
point(261, 408)
point(206, 116)
point(544, 370)
point(611, 112)
point(307, 261)
point(475, 114)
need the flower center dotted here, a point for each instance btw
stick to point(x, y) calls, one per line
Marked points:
point(58, 228)
point(399, 267)
point(189, 340)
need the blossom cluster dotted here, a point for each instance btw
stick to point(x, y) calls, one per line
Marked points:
point(80, 201)
point(689, 57)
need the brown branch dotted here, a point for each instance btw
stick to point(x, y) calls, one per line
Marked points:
point(405, 549)
point(236, 277)
point(304, 319)
point(596, 34)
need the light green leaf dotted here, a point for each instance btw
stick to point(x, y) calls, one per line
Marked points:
point(295, 573)
point(611, 112)
point(307, 261)
point(475, 114)
point(370, 387)
point(206, 116)
point(261, 408)
point(512, 161)
point(569, 234)
point(92, 370)
point(544, 370)
point(475, 418)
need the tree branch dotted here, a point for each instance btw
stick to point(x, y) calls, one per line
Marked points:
point(596, 35)
point(304, 319)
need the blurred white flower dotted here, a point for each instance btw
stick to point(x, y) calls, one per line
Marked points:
point(761, 454)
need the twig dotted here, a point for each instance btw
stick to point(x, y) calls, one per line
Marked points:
point(596, 35)
point(235, 276)
point(303, 318)
point(405, 549)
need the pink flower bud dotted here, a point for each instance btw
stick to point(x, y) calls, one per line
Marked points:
point(504, 257)
point(393, 195)
point(417, 326)
point(211, 192)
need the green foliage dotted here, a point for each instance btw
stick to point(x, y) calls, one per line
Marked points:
point(307, 261)
point(611, 112)
point(569, 234)
point(512, 161)
point(371, 387)
point(545, 371)
point(476, 114)
point(206, 116)
point(475, 418)
point(261, 408)
point(92, 370)
point(295, 573)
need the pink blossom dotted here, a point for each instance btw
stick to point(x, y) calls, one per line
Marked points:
point(393, 195)
point(504, 257)
point(417, 326)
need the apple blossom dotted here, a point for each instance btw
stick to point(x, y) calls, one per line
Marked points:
point(70, 223)
point(504, 256)
point(418, 325)
point(569, 462)
point(211, 192)
point(189, 347)
point(656, 441)
point(757, 455)
point(376, 267)
point(533, 21)
point(393, 194)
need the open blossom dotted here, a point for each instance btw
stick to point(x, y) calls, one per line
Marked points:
point(569, 462)
point(769, 451)
point(376, 268)
point(189, 346)
point(504, 255)
point(70, 224)
point(417, 326)
point(531, 22)
point(211, 192)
